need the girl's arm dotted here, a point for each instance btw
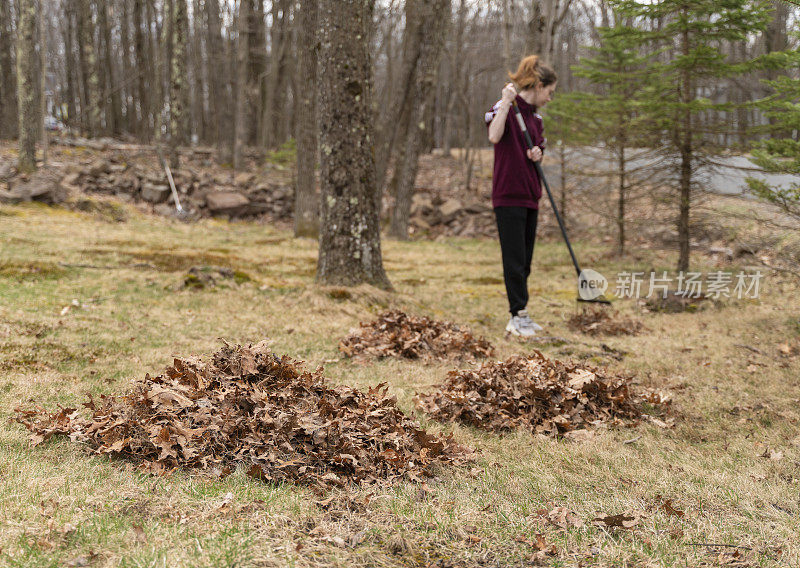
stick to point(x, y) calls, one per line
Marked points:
point(498, 125)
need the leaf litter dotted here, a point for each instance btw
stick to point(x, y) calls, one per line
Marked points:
point(397, 334)
point(603, 321)
point(545, 396)
point(249, 407)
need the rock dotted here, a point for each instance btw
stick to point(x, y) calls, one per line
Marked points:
point(743, 249)
point(478, 208)
point(99, 167)
point(449, 210)
point(71, 179)
point(7, 171)
point(421, 203)
point(258, 207)
point(420, 223)
point(724, 251)
point(244, 179)
point(10, 198)
point(164, 209)
point(155, 193)
point(229, 203)
point(41, 186)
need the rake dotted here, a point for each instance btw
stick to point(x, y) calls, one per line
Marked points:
point(586, 278)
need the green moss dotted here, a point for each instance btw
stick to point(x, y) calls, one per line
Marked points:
point(285, 155)
point(30, 270)
point(240, 277)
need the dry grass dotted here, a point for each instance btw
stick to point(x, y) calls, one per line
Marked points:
point(62, 507)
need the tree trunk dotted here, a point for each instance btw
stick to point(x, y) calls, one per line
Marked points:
point(178, 93)
point(350, 248)
point(218, 78)
point(129, 107)
point(508, 29)
point(275, 106)
point(621, 202)
point(43, 82)
point(686, 159)
point(433, 16)
point(240, 112)
point(256, 77)
point(306, 202)
point(69, 56)
point(9, 114)
point(26, 85)
point(91, 82)
point(396, 116)
point(535, 41)
point(197, 128)
point(110, 102)
point(142, 69)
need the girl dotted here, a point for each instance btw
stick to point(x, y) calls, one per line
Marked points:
point(515, 186)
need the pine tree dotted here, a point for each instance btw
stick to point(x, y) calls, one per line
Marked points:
point(614, 117)
point(687, 36)
point(781, 154)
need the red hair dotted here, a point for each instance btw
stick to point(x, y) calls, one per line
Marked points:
point(533, 73)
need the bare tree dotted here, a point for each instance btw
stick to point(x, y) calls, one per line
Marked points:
point(427, 32)
point(350, 248)
point(306, 202)
point(218, 79)
point(8, 79)
point(111, 101)
point(178, 83)
point(90, 103)
point(142, 59)
point(240, 112)
point(26, 85)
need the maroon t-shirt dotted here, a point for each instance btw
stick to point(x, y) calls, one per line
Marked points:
point(514, 181)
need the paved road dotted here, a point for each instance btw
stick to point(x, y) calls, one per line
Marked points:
point(726, 178)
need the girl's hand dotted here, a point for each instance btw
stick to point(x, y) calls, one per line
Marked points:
point(509, 93)
point(535, 155)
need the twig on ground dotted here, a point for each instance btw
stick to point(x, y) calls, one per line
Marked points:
point(751, 348)
point(712, 544)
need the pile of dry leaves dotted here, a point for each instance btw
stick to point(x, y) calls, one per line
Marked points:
point(542, 395)
point(396, 334)
point(250, 407)
point(603, 321)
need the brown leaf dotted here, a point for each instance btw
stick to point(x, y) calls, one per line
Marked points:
point(564, 518)
point(396, 334)
point(670, 510)
point(626, 520)
point(250, 407)
point(545, 396)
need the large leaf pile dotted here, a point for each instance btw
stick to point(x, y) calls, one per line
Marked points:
point(603, 321)
point(250, 407)
point(542, 395)
point(396, 334)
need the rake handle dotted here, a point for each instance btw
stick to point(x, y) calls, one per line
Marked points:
point(540, 173)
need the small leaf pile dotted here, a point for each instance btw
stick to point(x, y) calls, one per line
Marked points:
point(602, 321)
point(250, 407)
point(544, 396)
point(396, 334)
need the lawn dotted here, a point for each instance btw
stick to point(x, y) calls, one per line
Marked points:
point(89, 305)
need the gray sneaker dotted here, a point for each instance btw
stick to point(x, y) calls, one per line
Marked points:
point(522, 325)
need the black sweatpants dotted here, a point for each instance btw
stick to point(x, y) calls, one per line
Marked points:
point(517, 229)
